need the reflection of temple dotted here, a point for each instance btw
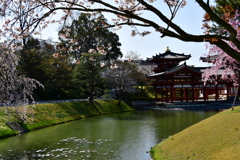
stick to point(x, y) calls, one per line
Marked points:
point(173, 82)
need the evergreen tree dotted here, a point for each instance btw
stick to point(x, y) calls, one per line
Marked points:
point(87, 74)
point(41, 61)
point(226, 9)
point(89, 32)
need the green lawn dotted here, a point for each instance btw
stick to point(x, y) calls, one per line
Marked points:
point(54, 113)
point(5, 131)
point(217, 137)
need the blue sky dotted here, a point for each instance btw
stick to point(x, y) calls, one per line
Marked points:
point(188, 18)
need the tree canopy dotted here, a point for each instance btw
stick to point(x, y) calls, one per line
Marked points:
point(88, 32)
point(223, 62)
point(87, 74)
point(226, 10)
point(40, 60)
point(127, 12)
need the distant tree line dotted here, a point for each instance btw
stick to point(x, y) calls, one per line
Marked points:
point(84, 64)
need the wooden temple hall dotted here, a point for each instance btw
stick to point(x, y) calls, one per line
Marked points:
point(173, 82)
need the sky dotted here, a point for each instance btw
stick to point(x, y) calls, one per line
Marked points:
point(188, 18)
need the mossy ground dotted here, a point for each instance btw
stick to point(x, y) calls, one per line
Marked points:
point(217, 137)
point(54, 113)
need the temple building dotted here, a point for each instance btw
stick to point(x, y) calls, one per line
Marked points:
point(175, 82)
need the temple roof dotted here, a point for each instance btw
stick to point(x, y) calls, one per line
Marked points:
point(209, 59)
point(142, 62)
point(177, 68)
point(170, 55)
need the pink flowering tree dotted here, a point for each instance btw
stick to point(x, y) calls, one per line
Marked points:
point(217, 56)
point(221, 62)
point(224, 67)
point(15, 89)
point(125, 12)
point(122, 77)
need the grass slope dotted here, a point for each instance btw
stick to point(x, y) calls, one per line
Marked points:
point(217, 137)
point(5, 131)
point(55, 113)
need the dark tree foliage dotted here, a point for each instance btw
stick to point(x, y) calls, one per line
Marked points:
point(35, 62)
point(221, 4)
point(41, 61)
point(224, 8)
point(125, 13)
point(87, 75)
point(89, 32)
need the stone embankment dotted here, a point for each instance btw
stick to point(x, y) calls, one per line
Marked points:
point(210, 105)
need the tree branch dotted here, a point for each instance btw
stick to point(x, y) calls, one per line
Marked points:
point(221, 22)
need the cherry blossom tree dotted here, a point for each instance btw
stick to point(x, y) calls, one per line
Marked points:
point(127, 12)
point(15, 89)
point(132, 55)
point(217, 55)
point(224, 66)
point(120, 76)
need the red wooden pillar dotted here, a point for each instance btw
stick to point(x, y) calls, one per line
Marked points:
point(216, 93)
point(197, 90)
point(166, 94)
point(155, 92)
point(181, 91)
point(186, 94)
point(204, 94)
point(193, 94)
point(174, 95)
point(227, 91)
point(207, 93)
point(171, 92)
point(161, 90)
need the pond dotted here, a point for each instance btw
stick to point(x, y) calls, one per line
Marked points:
point(118, 136)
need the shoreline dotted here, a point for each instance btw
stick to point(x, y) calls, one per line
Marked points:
point(182, 108)
point(187, 106)
point(213, 138)
point(49, 114)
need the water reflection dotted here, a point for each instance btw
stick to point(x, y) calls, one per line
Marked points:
point(120, 136)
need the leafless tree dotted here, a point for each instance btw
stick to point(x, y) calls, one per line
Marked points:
point(121, 77)
point(132, 55)
point(15, 89)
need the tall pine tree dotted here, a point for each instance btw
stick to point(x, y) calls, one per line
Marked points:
point(90, 32)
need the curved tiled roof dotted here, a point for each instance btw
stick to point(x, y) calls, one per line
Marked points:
point(177, 68)
point(170, 55)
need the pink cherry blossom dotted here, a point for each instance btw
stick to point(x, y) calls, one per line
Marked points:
point(222, 60)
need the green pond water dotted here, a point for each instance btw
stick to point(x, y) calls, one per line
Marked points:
point(119, 136)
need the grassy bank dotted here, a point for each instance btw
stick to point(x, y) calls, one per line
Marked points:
point(216, 137)
point(55, 113)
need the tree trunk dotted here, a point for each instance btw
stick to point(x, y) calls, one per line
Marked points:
point(119, 101)
point(120, 97)
point(142, 89)
point(234, 101)
point(90, 98)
